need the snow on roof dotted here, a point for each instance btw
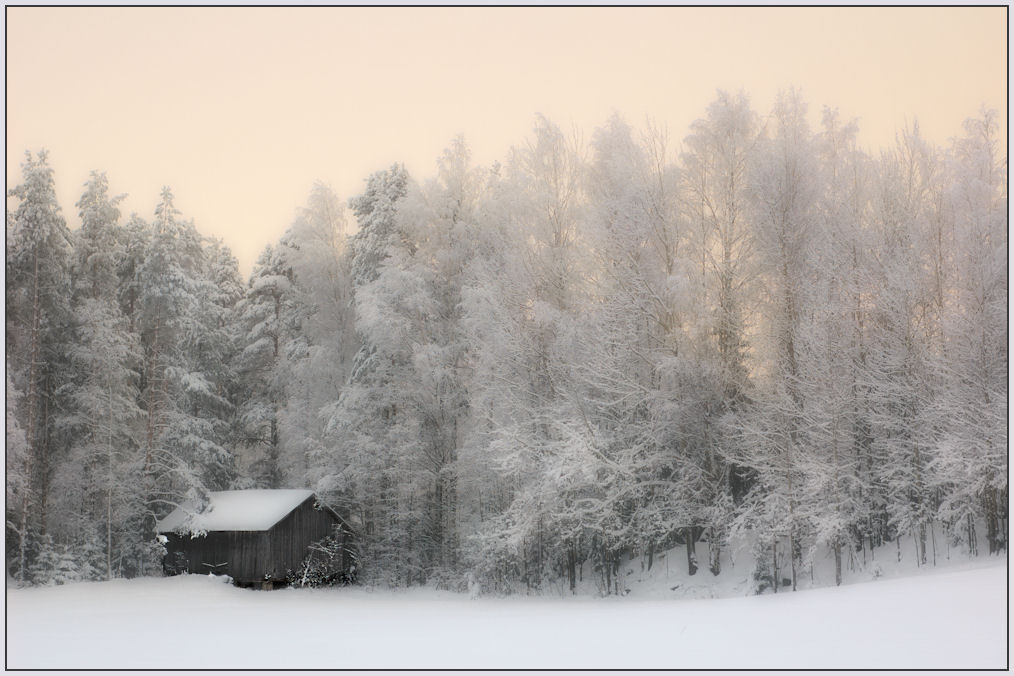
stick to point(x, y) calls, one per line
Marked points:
point(257, 509)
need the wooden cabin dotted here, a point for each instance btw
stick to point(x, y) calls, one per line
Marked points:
point(257, 537)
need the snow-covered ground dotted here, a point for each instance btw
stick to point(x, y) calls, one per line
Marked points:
point(945, 617)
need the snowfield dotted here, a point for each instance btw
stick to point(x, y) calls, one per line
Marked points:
point(939, 618)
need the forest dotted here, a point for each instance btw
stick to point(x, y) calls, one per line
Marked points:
point(516, 375)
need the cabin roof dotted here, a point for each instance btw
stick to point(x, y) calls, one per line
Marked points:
point(249, 510)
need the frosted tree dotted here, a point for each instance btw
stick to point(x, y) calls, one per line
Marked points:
point(375, 212)
point(418, 294)
point(95, 486)
point(17, 476)
point(901, 381)
point(371, 459)
point(784, 189)
point(616, 388)
point(99, 246)
point(520, 311)
point(716, 165)
point(650, 405)
point(37, 321)
point(836, 469)
point(213, 347)
point(136, 240)
point(182, 438)
point(263, 313)
point(321, 341)
point(970, 460)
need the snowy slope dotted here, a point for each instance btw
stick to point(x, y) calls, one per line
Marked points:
point(941, 618)
point(668, 577)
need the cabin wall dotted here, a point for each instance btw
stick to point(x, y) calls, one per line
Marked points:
point(241, 551)
point(253, 556)
point(289, 538)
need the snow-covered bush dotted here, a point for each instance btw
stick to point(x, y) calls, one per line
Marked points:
point(324, 566)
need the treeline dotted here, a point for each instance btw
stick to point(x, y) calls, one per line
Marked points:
point(515, 376)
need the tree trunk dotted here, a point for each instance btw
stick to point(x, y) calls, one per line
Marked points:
point(109, 490)
point(922, 544)
point(607, 568)
point(774, 565)
point(30, 433)
point(42, 506)
point(714, 553)
point(150, 434)
point(993, 535)
point(973, 543)
point(688, 536)
point(837, 563)
point(793, 547)
point(572, 568)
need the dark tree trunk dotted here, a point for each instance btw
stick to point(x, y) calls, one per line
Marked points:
point(794, 556)
point(774, 565)
point(837, 563)
point(714, 553)
point(572, 568)
point(688, 536)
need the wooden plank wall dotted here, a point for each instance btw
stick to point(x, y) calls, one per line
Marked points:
point(241, 551)
point(290, 537)
point(256, 556)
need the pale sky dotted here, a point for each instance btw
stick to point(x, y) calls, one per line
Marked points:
point(240, 110)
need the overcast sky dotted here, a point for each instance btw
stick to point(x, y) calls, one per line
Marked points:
point(239, 110)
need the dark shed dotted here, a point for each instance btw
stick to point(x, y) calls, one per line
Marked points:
point(254, 536)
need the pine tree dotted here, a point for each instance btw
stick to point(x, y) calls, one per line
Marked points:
point(183, 403)
point(17, 479)
point(38, 316)
point(266, 307)
point(95, 481)
point(99, 245)
point(101, 415)
point(371, 423)
point(375, 212)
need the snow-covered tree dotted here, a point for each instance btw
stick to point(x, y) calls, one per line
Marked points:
point(970, 459)
point(521, 301)
point(321, 340)
point(370, 459)
point(717, 161)
point(183, 404)
point(901, 382)
point(96, 484)
point(716, 164)
point(375, 211)
point(264, 311)
point(784, 192)
point(37, 323)
point(99, 245)
point(17, 476)
point(836, 487)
